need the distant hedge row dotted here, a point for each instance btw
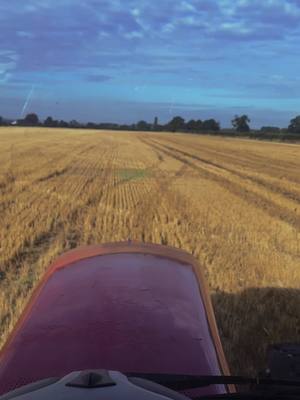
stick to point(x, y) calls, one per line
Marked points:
point(176, 124)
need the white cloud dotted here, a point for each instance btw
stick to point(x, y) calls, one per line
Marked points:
point(187, 6)
point(4, 76)
point(35, 5)
point(291, 9)
point(30, 8)
point(168, 28)
point(25, 34)
point(8, 64)
point(194, 21)
point(136, 12)
point(227, 7)
point(235, 27)
point(134, 35)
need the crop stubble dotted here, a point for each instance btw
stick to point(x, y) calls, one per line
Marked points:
point(233, 204)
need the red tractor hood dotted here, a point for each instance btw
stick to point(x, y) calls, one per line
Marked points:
point(124, 307)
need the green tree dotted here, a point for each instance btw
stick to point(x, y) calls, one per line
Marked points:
point(31, 119)
point(270, 129)
point(143, 126)
point(198, 125)
point(294, 126)
point(191, 126)
point(241, 123)
point(74, 124)
point(210, 125)
point(49, 121)
point(177, 124)
point(62, 124)
point(91, 125)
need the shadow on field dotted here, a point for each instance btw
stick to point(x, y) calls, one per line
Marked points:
point(253, 319)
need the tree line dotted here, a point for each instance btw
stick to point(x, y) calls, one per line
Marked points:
point(240, 124)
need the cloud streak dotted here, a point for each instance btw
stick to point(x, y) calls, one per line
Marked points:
point(27, 101)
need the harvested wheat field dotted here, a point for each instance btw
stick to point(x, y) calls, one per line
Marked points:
point(233, 204)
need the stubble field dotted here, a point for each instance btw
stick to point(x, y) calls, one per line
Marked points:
point(233, 204)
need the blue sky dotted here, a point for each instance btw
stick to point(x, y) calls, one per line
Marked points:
point(126, 60)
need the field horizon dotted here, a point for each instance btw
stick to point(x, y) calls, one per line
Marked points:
point(234, 204)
